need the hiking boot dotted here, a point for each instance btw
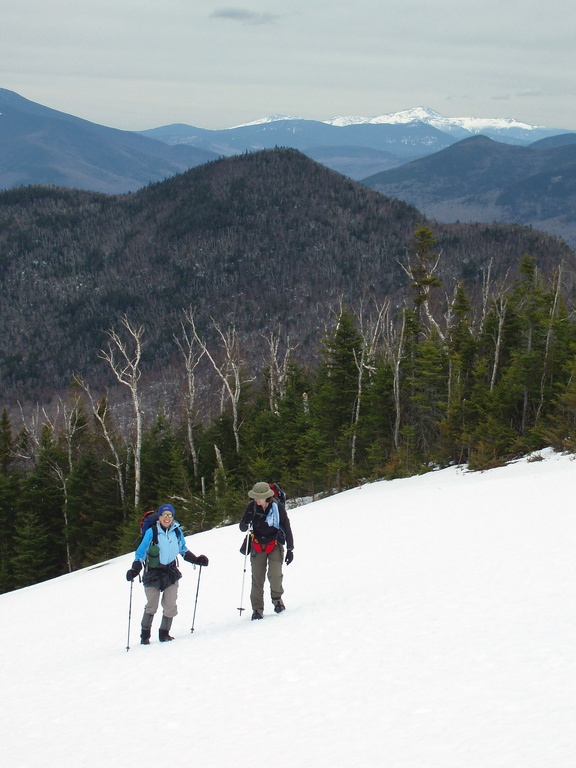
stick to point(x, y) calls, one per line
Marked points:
point(279, 606)
point(257, 615)
point(145, 637)
point(163, 636)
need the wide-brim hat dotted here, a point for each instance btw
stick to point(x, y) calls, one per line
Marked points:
point(261, 491)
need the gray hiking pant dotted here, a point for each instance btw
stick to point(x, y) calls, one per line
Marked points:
point(261, 561)
point(169, 597)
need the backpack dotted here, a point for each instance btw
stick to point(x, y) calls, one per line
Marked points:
point(281, 496)
point(278, 493)
point(149, 520)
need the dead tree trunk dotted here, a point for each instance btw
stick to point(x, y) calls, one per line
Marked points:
point(125, 364)
point(277, 369)
point(192, 358)
point(229, 372)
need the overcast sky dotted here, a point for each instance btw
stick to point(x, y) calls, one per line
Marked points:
point(139, 64)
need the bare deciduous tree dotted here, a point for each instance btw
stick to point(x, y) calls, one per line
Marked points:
point(423, 277)
point(557, 283)
point(277, 368)
point(192, 357)
point(500, 307)
point(229, 372)
point(60, 476)
point(394, 338)
point(124, 360)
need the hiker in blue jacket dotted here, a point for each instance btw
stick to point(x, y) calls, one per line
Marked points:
point(270, 530)
point(158, 550)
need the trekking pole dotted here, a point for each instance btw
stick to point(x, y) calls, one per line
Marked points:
point(244, 574)
point(196, 601)
point(129, 616)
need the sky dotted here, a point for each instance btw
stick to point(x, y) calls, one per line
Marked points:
point(429, 623)
point(140, 64)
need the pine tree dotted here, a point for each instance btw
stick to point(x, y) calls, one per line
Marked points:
point(527, 385)
point(313, 458)
point(164, 474)
point(334, 403)
point(32, 560)
point(6, 443)
point(461, 348)
point(43, 499)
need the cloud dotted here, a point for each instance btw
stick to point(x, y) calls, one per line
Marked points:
point(527, 92)
point(244, 17)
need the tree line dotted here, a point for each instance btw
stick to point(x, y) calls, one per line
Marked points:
point(395, 390)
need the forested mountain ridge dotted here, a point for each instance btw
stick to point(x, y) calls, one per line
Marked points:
point(259, 241)
point(479, 179)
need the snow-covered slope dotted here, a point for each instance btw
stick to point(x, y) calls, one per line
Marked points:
point(429, 624)
point(429, 116)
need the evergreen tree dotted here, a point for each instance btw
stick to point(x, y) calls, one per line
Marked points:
point(32, 559)
point(6, 443)
point(294, 420)
point(376, 427)
point(335, 397)
point(428, 395)
point(164, 474)
point(313, 459)
point(43, 500)
point(10, 495)
point(94, 510)
point(526, 388)
point(461, 349)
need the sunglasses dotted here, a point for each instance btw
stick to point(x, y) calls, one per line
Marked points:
point(166, 514)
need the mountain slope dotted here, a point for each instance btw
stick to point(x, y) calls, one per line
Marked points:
point(449, 643)
point(478, 179)
point(39, 145)
point(259, 241)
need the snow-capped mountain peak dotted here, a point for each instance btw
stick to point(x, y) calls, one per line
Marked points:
point(435, 119)
point(417, 114)
point(504, 128)
point(270, 119)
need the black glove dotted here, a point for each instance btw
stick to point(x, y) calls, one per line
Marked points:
point(244, 525)
point(200, 560)
point(289, 557)
point(134, 571)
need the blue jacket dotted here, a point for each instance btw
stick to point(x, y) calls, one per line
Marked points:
point(170, 543)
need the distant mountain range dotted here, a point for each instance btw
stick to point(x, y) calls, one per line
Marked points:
point(354, 146)
point(462, 168)
point(39, 145)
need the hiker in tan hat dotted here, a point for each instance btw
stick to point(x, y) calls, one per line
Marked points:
point(269, 531)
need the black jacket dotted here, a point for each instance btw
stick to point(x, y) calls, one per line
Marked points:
point(256, 516)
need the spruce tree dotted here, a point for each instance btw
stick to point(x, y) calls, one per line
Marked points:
point(32, 560)
point(334, 401)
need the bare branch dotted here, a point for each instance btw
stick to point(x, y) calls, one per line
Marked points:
point(125, 364)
